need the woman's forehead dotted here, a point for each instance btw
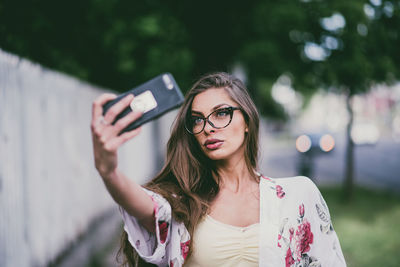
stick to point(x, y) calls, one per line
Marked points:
point(207, 100)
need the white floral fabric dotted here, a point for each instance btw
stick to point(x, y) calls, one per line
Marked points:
point(295, 229)
point(169, 245)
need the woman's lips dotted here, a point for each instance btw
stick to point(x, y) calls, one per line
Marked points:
point(213, 144)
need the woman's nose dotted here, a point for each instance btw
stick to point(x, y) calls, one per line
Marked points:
point(208, 128)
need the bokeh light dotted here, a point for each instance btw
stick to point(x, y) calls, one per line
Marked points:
point(303, 143)
point(327, 142)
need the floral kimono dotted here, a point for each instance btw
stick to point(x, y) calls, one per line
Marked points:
point(295, 228)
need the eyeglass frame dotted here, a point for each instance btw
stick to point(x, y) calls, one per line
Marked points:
point(206, 119)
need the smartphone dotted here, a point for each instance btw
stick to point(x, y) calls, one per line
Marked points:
point(154, 98)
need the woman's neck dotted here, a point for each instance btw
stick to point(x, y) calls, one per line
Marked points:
point(235, 176)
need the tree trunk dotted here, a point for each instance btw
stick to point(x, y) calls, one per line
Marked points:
point(349, 164)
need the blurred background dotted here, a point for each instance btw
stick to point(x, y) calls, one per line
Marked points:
point(324, 75)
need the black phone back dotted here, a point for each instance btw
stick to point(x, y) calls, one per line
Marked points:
point(156, 96)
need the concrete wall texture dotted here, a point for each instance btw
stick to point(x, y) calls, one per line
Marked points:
point(50, 191)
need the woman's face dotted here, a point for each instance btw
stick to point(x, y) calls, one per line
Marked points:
point(225, 143)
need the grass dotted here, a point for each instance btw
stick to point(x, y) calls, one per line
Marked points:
point(368, 227)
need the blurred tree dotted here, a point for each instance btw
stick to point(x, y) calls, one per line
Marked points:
point(120, 43)
point(115, 44)
point(347, 45)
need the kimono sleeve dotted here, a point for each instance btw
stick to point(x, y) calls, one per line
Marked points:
point(326, 248)
point(151, 247)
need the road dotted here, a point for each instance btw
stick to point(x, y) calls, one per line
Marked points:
point(375, 165)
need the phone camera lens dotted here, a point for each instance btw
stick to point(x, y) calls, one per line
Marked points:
point(168, 82)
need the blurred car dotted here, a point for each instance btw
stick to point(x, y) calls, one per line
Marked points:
point(312, 143)
point(309, 146)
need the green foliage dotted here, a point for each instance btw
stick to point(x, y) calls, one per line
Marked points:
point(120, 43)
point(115, 44)
point(267, 105)
point(365, 49)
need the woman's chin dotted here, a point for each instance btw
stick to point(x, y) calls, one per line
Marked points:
point(222, 154)
point(216, 154)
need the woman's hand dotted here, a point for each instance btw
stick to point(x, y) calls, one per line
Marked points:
point(106, 138)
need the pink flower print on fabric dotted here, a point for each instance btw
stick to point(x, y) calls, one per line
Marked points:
point(301, 210)
point(163, 226)
point(304, 237)
point(185, 249)
point(291, 232)
point(298, 242)
point(289, 258)
point(173, 262)
point(279, 191)
point(279, 238)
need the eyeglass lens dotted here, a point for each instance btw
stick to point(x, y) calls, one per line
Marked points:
point(219, 118)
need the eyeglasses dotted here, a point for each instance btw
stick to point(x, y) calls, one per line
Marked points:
point(218, 119)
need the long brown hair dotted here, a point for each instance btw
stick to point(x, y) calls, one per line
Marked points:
point(189, 179)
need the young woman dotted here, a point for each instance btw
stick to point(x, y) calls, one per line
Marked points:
point(209, 206)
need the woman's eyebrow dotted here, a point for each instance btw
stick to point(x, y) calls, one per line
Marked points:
point(220, 105)
point(197, 112)
point(214, 108)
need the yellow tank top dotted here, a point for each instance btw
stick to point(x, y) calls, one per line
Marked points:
point(219, 244)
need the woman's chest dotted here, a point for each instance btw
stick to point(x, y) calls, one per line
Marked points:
point(241, 211)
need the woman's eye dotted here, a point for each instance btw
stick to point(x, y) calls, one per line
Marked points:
point(197, 120)
point(223, 113)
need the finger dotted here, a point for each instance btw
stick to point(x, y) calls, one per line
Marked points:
point(123, 138)
point(100, 129)
point(117, 108)
point(114, 130)
point(97, 108)
point(125, 121)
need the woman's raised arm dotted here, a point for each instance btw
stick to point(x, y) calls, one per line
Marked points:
point(106, 141)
